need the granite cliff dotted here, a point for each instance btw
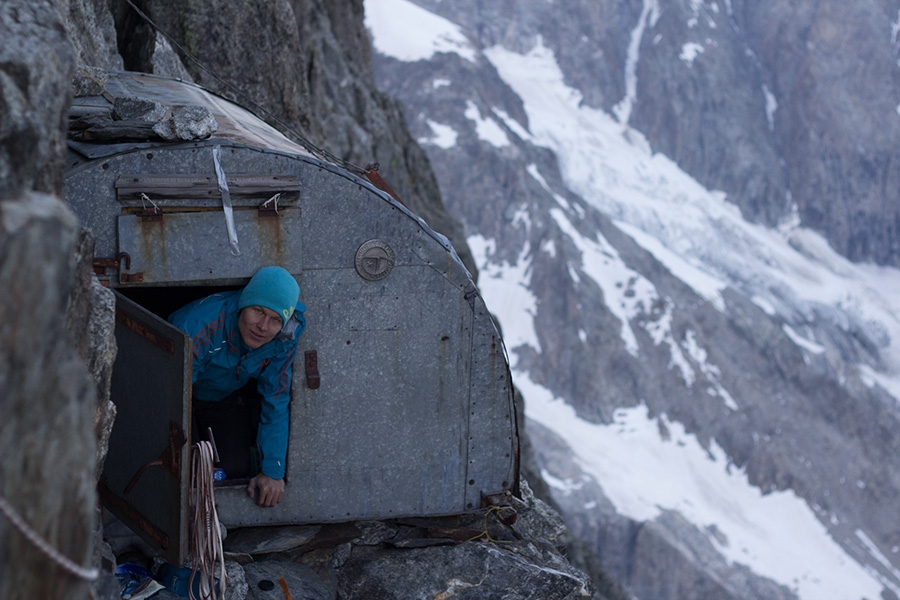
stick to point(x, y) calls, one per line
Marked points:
point(306, 66)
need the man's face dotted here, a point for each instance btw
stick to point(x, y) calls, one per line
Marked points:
point(258, 325)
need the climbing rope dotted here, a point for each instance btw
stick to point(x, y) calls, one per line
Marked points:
point(206, 539)
point(306, 143)
point(44, 546)
point(485, 534)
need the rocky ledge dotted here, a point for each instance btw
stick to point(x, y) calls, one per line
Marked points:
point(474, 556)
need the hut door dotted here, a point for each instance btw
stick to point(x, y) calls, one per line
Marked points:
point(146, 477)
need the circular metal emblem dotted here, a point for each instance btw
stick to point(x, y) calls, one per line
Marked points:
point(374, 260)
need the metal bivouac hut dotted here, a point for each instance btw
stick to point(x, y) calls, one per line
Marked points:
point(402, 403)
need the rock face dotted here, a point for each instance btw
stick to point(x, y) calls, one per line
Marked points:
point(414, 558)
point(57, 321)
point(46, 395)
point(318, 90)
point(758, 99)
point(735, 95)
point(33, 137)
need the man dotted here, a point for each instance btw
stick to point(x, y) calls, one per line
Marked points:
point(244, 344)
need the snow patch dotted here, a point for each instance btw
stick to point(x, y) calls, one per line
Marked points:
point(533, 171)
point(777, 535)
point(787, 271)
point(875, 553)
point(689, 52)
point(808, 345)
point(627, 293)
point(660, 330)
point(443, 136)
point(771, 107)
point(704, 284)
point(388, 21)
point(549, 247)
point(508, 286)
point(566, 486)
point(486, 129)
point(512, 124)
point(649, 15)
point(712, 373)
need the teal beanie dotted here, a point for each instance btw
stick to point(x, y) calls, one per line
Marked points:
point(273, 288)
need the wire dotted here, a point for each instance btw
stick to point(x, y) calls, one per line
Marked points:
point(206, 539)
point(485, 534)
point(44, 546)
point(306, 143)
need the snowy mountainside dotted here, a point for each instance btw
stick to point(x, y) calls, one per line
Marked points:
point(713, 402)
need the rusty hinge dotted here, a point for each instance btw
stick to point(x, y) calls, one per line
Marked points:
point(170, 458)
point(311, 360)
point(102, 264)
point(131, 277)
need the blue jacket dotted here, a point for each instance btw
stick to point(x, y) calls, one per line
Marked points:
point(223, 363)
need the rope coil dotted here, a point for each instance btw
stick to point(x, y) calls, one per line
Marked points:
point(485, 534)
point(89, 574)
point(206, 538)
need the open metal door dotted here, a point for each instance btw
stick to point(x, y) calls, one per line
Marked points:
point(146, 476)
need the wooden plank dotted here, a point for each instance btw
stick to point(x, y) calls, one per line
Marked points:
point(185, 187)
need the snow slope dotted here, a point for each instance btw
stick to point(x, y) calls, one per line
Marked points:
point(703, 240)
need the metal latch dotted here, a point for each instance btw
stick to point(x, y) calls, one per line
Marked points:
point(154, 216)
point(311, 360)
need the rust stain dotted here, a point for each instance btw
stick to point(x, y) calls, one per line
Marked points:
point(153, 243)
point(268, 231)
point(145, 332)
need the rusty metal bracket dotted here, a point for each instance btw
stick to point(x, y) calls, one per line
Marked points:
point(375, 179)
point(102, 264)
point(170, 458)
point(131, 277)
point(311, 360)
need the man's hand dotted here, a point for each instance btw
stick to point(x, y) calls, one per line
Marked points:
point(266, 491)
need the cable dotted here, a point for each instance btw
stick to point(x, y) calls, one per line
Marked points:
point(485, 534)
point(44, 546)
point(206, 539)
point(308, 145)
